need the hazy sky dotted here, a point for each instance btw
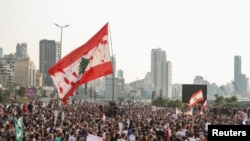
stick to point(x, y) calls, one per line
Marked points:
point(200, 37)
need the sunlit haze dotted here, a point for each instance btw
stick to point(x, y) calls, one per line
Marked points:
point(199, 37)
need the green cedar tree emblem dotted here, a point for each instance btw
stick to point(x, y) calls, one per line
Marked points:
point(83, 65)
point(195, 98)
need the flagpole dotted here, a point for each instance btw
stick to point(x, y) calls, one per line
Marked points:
point(59, 55)
point(113, 75)
point(85, 91)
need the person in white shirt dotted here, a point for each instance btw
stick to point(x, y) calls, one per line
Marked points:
point(132, 136)
point(244, 117)
point(180, 132)
point(71, 137)
point(122, 138)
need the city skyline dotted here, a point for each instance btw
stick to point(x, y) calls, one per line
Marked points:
point(200, 38)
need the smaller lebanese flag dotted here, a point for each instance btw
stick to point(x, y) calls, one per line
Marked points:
point(196, 98)
point(168, 133)
point(86, 63)
point(189, 112)
point(91, 137)
point(204, 105)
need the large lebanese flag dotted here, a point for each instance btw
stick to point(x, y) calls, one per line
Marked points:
point(86, 63)
point(196, 98)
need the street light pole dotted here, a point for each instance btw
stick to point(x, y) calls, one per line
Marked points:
point(59, 50)
point(60, 47)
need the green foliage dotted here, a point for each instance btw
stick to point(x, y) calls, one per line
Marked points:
point(175, 103)
point(230, 102)
point(21, 91)
point(218, 102)
point(159, 102)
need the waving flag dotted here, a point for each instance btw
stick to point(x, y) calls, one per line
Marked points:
point(86, 63)
point(204, 105)
point(169, 133)
point(189, 112)
point(196, 98)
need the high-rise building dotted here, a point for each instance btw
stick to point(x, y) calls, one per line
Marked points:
point(25, 72)
point(47, 58)
point(59, 50)
point(21, 51)
point(7, 68)
point(1, 52)
point(160, 75)
point(240, 80)
point(169, 80)
point(120, 84)
point(6, 74)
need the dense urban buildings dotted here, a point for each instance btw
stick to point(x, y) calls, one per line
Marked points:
point(17, 69)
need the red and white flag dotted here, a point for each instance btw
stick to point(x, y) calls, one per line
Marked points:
point(86, 63)
point(196, 98)
point(204, 106)
point(92, 137)
point(168, 133)
point(189, 112)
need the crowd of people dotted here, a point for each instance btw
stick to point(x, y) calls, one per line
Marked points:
point(111, 122)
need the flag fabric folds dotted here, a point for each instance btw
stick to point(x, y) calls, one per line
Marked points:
point(189, 112)
point(91, 137)
point(196, 98)
point(169, 134)
point(204, 106)
point(86, 63)
point(18, 123)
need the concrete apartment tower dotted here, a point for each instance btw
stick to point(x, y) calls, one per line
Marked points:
point(47, 58)
point(161, 73)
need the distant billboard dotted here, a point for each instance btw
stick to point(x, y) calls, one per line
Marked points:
point(31, 92)
point(189, 89)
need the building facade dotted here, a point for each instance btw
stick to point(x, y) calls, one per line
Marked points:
point(160, 75)
point(6, 74)
point(169, 80)
point(25, 72)
point(47, 58)
point(21, 51)
point(241, 82)
point(1, 52)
